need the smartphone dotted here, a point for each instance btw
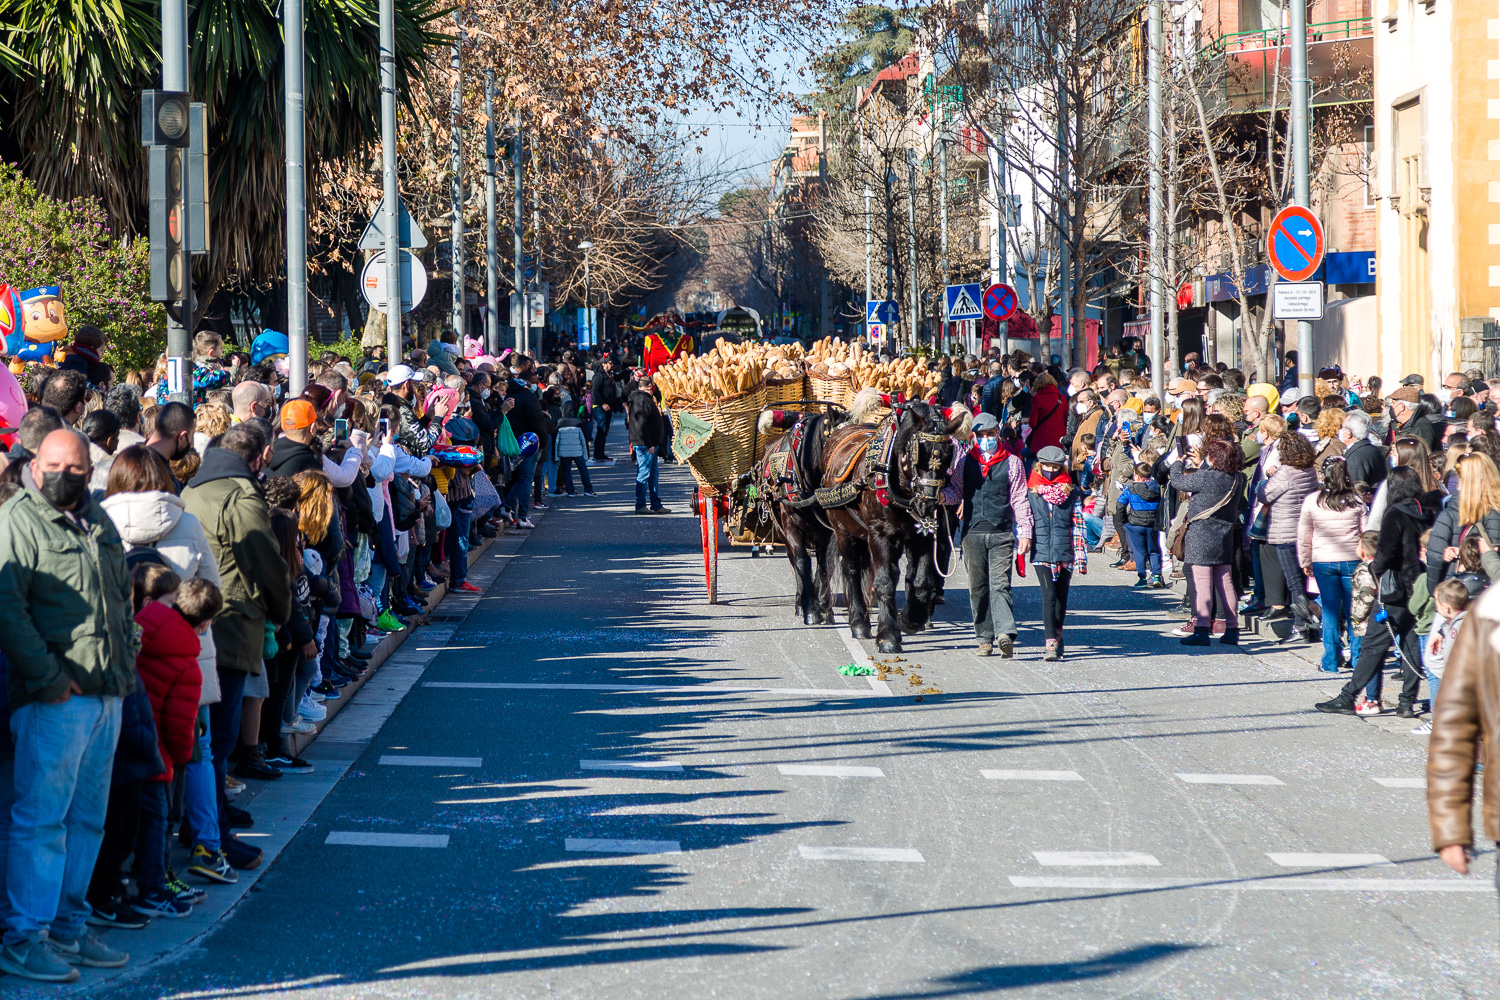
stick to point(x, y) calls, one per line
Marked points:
point(384, 427)
point(341, 429)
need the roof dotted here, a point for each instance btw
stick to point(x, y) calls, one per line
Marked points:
point(902, 69)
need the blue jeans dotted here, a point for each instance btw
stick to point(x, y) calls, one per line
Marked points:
point(64, 756)
point(457, 544)
point(646, 477)
point(1144, 547)
point(1093, 529)
point(518, 494)
point(201, 800)
point(1336, 587)
point(150, 868)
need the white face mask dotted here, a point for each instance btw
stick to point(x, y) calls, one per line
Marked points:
point(1080, 408)
point(485, 394)
point(988, 444)
point(1445, 395)
point(1146, 418)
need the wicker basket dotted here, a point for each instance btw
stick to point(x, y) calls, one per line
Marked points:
point(730, 451)
point(790, 390)
point(832, 389)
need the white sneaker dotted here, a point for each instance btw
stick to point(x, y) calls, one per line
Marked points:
point(1424, 729)
point(525, 522)
point(314, 696)
point(311, 710)
point(300, 726)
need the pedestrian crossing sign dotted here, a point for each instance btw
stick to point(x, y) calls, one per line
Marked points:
point(963, 302)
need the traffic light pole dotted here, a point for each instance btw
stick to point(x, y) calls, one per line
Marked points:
point(491, 234)
point(174, 76)
point(296, 202)
point(392, 201)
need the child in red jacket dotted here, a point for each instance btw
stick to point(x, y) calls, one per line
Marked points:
point(172, 618)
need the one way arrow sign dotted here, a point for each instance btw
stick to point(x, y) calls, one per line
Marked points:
point(373, 238)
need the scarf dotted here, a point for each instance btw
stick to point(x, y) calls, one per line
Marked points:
point(92, 353)
point(988, 462)
point(1055, 491)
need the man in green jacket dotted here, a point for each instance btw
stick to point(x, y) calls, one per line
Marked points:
point(226, 496)
point(69, 637)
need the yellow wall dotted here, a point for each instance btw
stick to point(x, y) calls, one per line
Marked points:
point(1475, 65)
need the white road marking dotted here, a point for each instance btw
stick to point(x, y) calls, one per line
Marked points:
point(1292, 884)
point(862, 658)
point(1327, 860)
point(879, 686)
point(1100, 858)
point(354, 838)
point(399, 760)
point(831, 770)
point(595, 845)
point(1032, 775)
point(1230, 779)
point(629, 765)
point(687, 689)
point(443, 649)
point(903, 854)
point(1401, 782)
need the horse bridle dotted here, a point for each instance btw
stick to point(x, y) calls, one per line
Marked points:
point(927, 481)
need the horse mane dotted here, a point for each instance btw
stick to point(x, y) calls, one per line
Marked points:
point(810, 462)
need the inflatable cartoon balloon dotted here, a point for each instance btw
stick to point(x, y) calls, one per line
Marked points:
point(44, 323)
point(11, 332)
point(12, 403)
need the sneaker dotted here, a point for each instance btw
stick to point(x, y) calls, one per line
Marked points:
point(1183, 631)
point(232, 786)
point(298, 726)
point(212, 865)
point(253, 765)
point(589, 493)
point(242, 856)
point(311, 710)
point(88, 951)
point(1141, 584)
point(1342, 705)
point(540, 504)
point(327, 690)
point(426, 584)
point(389, 622)
point(1406, 711)
point(160, 903)
point(467, 588)
point(525, 522)
point(183, 892)
point(559, 493)
point(661, 510)
point(1425, 729)
point(314, 696)
point(985, 648)
point(1006, 646)
point(36, 960)
point(1051, 653)
point(289, 763)
point(1157, 583)
point(113, 913)
point(1365, 706)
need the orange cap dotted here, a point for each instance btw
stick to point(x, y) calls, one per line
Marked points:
point(297, 414)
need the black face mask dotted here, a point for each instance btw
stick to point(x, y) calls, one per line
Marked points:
point(178, 453)
point(64, 490)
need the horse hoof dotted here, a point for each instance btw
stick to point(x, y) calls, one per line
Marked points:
point(825, 619)
point(910, 627)
point(889, 646)
point(860, 631)
point(810, 619)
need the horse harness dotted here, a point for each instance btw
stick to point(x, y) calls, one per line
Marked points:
point(878, 471)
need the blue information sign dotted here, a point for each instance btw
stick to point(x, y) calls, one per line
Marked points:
point(963, 302)
point(886, 312)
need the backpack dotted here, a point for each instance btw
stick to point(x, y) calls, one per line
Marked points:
point(143, 555)
point(404, 511)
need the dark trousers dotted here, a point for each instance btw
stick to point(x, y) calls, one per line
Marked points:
point(1054, 597)
point(150, 868)
point(283, 671)
point(1374, 646)
point(602, 419)
point(1275, 583)
point(224, 726)
point(122, 821)
point(565, 475)
point(1296, 585)
point(1144, 547)
point(456, 545)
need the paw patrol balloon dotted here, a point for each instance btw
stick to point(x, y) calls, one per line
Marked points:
point(44, 321)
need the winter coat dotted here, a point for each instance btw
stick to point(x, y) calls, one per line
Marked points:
point(1138, 504)
point(161, 521)
point(1049, 415)
point(1466, 721)
point(1328, 536)
point(1418, 427)
point(1211, 540)
point(1365, 592)
point(1284, 493)
point(253, 576)
point(1447, 532)
point(290, 457)
point(138, 753)
point(1366, 464)
point(66, 595)
point(605, 390)
point(1400, 549)
point(569, 442)
point(643, 420)
point(1052, 531)
point(168, 666)
point(526, 415)
point(1089, 423)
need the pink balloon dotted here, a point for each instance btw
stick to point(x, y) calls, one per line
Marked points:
point(12, 399)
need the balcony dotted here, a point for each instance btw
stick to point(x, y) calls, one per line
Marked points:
point(1340, 64)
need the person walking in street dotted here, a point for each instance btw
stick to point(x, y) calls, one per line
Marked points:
point(1059, 549)
point(643, 420)
point(1209, 537)
point(997, 527)
point(605, 392)
point(71, 659)
point(1328, 529)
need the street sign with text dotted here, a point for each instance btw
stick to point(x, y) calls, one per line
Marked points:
point(1297, 300)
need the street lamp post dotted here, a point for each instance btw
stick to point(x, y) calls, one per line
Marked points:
point(890, 262)
point(587, 247)
point(296, 202)
point(869, 249)
point(911, 244)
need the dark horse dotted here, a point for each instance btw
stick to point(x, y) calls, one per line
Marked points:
point(786, 479)
point(880, 494)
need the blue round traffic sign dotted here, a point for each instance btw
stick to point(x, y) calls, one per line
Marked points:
point(1294, 243)
point(999, 302)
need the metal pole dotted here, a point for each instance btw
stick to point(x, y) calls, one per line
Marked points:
point(911, 244)
point(588, 313)
point(296, 201)
point(392, 199)
point(890, 258)
point(491, 232)
point(518, 154)
point(456, 245)
point(1301, 154)
point(869, 248)
point(1153, 115)
point(1065, 219)
point(943, 209)
point(174, 76)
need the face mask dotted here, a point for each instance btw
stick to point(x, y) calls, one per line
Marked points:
point(64, 490)
point(1081, 408)
point(1392, 461)
point(1146, 418)
point(178, 453)
point(988, 445)
point(485, 394)
point(1445, 395)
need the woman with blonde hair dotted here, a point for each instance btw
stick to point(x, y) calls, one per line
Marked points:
point(1476, 510)
point(1413, 452)
point(211, 420)
point(1330, 420)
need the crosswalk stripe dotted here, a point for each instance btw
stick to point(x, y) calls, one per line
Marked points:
point(1295, 883)
point(1401, 782)
point(1100, 858)
point(629, 765)
point(1032, 775)
point(597, 845)
point(831, 770)
point(837, 853)
point(1230, 779)
point(354, 838)
point(1295, 860)
point(401, 760)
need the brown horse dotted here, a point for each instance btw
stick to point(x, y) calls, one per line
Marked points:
point(880, 494)
point(785, 480)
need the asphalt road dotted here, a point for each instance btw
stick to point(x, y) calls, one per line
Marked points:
point(591, 814)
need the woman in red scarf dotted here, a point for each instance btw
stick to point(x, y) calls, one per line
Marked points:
point(1059, 549)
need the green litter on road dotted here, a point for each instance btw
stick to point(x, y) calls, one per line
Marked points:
point(855, 670)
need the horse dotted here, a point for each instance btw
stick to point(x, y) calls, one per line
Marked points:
point(880, 494)
point(786, 478)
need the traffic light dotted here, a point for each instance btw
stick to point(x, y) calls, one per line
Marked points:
point(164, 118)
point(167, 212)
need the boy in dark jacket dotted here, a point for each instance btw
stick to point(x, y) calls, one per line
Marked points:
point(1136, 510)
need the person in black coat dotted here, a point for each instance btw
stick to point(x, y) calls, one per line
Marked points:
point(1397, 564)
point(606, 400)
point(1365, 462)
point(644, 421)
point(1409, 419)
point(1214, 489)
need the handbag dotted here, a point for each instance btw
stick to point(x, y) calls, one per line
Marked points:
point(403, 503)
point(505, 440)
point(442, 514)
point(1177, 533)
point(1260, 529)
